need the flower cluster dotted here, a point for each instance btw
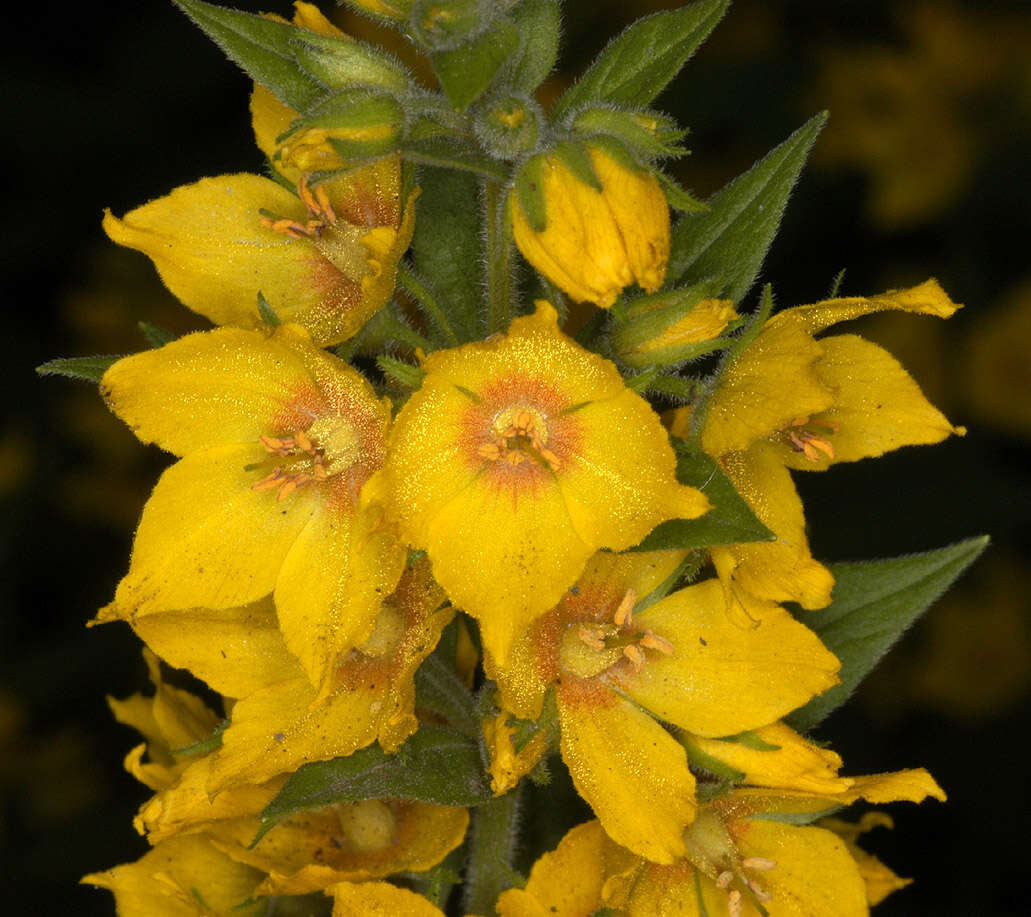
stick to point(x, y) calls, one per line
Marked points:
point(422, 550)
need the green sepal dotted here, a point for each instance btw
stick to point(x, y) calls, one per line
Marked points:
point(451, 198)
point(679, 198)
point(714, 766)
point(795, 818)
point(440, 691)
point(452, 153)
point(574, 156)
point(262, 47)
point(731, 238)
point(508, 125)
point(529, 183)
point(155, 335)
point(874, 602)
point(730, 521)
point(409, 376)
point(347, 63)
point(649, 134)
point(638, 64)
point(88, 369)
point(436, 764)
point(752, 740)
point(266, 312)
point(465, 72)
point(361, 112)
point(538, 25)
point(206, 745)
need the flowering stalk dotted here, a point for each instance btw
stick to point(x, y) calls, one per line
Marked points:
point(429, 547)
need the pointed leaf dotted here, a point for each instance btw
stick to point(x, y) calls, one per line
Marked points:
point(435, 765)
point(731, 238)
point(88, 369)
point(262, 47)
point(439, 690)
point(537, 22)
point(451, 198)
point(730, 521)
point(636, 65)
point(874, 602)
point(466, 72)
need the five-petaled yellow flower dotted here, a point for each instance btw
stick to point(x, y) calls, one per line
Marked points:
point(618, 675)
point(794, 401)
point(277, 439)
point(516, 460)
point(594, 243)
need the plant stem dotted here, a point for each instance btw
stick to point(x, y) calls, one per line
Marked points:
point(492, 842)
point(499, 260)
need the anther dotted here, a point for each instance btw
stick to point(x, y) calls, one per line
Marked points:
point(635, 654)
point(594, 637)
point(625, 611)
point(734, 904)
point(763, 864)
point(655, 642)
point(758, 890)
point(724, 879)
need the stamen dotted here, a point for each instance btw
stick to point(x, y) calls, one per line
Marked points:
point(811, 444)
point(734, 903)
point(594, 637)
point(724, 879)
point(635, 654)
point(763, 864)
point(758, 890)
point(655, 642)
point(625, 612)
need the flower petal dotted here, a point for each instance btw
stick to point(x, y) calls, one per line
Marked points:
point(877, 405)
point(200, 506)
point(783, 570)
point(378, 899)
point(236, 651)
point(927, 298)
point(332, 583)
point(629, 769)
point(723, 678)
point(211, 388)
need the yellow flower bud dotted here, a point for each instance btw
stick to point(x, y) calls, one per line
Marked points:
point(593, 243)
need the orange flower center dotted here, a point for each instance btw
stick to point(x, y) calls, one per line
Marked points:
point(327, 447)
point(338, 241)
point(519, 434)
point(590, 648)
point(803, 437)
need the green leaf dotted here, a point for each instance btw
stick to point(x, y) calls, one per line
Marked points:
point(343, 63)
point(465, 72)
point(731, 238)
point(730, 521)
point(408, 375)
point(267, 313)
point(439, 690)
point(537, 22)
point(262, 47)
point(435, 765)
point(452, 199)
point(156, 336)
point(636, 65)
point(88, 369)
point(874, 602)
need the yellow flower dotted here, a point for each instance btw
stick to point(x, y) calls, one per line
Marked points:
point(516, 460)
point(880, 880)
point(740, 854)
point(618, 675)
point(772, 756)
point(794, 401)
point(324, 257)
point(278, 438)
point(171, 719)
point(180, 877)
point(379, 899)
point(595, 243)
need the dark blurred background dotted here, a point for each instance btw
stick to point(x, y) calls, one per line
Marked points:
point(922, 171)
